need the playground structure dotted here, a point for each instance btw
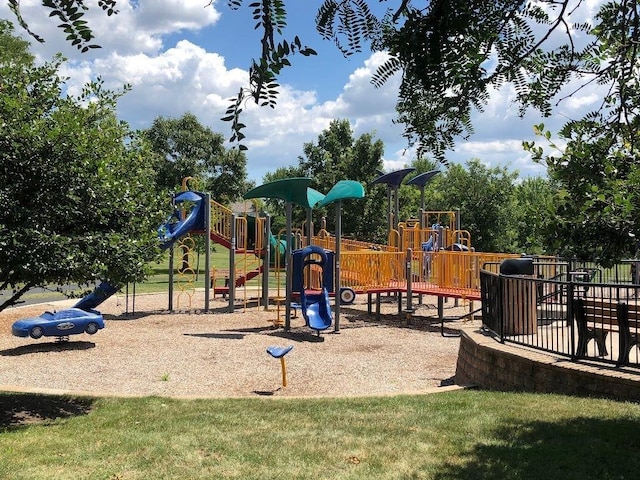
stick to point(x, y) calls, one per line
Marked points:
point(429, 255)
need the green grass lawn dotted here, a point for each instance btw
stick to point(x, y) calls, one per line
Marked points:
point(454, 435)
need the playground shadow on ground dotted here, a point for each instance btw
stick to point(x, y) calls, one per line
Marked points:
point(46, 348)
point(355, 318)
point(223, 336)
point(300, 335)
point(20, 410)
point(126, 317)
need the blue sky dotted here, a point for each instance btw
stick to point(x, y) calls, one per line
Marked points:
point(182, 56)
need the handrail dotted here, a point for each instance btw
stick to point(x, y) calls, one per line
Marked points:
point(221, 220)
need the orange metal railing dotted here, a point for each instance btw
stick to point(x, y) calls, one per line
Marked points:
point(412, 236)
point(367, 270)
point(370, 269)
point(366, 266)
point(327, 241)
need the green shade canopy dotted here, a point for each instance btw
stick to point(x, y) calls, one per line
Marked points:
point(291, 190)
point(343, 190)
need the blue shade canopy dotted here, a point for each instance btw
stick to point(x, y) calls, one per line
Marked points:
point(422, 179)
point(393, 179)
point(293, 190)
point(342, 190)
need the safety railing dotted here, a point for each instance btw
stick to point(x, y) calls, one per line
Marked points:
point(221, 220)
point(365, 270)
point(416, 238)
point(565, 312)
point(368, 269)
point(327, 241)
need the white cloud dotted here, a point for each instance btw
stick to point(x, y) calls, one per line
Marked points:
point(479, 149)
point(170, 76)
point(578, 103)
point(132, 30)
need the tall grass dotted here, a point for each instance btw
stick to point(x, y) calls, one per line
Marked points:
point(456, 435)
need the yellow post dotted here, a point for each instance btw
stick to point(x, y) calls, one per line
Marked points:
point(284, 372)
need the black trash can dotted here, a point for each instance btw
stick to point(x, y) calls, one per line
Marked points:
point(520, 311)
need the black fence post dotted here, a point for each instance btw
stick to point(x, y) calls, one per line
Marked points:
point(500, 309)
point(569, 321)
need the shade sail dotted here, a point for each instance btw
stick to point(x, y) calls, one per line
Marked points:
point(393, 179)
point(343, 190)
point(293, 190)
point(422, 179)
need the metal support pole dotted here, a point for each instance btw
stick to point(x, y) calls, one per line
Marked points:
point(288, 266)
point(207, 250)
point(232, 264)
point(458, 227)
point(336, 281)
point(283, 367)
point(171, 251)
point(396, 208)
point(266, 262)
point(309, 232)
point(409, 280)
point(389, 210)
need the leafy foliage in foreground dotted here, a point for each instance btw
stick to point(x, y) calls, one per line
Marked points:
point(77, 186)
point(596, 162)
point(71, 15)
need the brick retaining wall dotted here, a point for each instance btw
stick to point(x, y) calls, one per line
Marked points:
point(485, 362)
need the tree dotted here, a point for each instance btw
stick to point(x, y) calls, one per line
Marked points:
point(533, 216)
point(485, 198)
point(183, 147)
point(71, 14)
point(598, 168)
point(336, 156)
point(595, 208)
point(452, 53)
point(77, 186)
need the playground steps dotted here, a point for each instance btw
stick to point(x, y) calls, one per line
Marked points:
point(241, 280)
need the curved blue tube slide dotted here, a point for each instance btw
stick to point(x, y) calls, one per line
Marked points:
point(169, 232)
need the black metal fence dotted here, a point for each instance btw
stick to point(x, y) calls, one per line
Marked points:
point(577, 310)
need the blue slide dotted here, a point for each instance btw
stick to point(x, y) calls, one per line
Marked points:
point(174, 227)
point(314, 304)
point(316, 310)
point(168, 233)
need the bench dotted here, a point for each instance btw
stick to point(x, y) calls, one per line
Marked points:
point(595, 318)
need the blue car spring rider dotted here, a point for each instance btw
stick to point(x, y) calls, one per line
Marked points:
point(314, 303)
